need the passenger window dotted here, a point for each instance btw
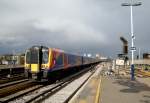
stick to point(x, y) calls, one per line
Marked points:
point(59, 60)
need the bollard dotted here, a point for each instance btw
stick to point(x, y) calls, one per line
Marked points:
point(132, 72)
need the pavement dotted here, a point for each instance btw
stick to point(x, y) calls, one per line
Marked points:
point(90, 92)
point(112, 88)
point(120, 89)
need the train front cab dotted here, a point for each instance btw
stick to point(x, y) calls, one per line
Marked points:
point(37, 63)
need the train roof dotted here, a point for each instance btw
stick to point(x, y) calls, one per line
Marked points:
point(62, 51)
point(58, 50)
point(55, 49)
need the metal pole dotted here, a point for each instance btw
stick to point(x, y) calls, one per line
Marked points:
point(139, 53)
point(132, 34)
point(132, 44)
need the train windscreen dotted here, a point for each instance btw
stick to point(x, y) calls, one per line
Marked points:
point(45, 55)
point(32, 57)
point(28, 57)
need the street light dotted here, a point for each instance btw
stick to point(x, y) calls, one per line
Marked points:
point(132, 34)
point(131, 4)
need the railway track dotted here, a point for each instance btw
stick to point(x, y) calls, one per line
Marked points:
point(12, 97)
point(40, 92)
point(13, 88)
point(11, 71)
point(65, 94)
point(12, 83)
point(12, 78)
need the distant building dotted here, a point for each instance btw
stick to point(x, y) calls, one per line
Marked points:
point(8, 59)
point(4, 62)
point(97, 56)
point(89, 55)
point(146, 55)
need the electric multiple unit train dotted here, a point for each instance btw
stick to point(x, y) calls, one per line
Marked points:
point(41, 62)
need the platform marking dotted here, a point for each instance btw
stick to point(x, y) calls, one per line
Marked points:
point(98, 92)
point(82, 101)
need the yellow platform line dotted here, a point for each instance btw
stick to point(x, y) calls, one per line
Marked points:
point(98, 92)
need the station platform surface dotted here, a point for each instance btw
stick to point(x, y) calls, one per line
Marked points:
point(120, 89)
point(113, 89)
point(90, 92)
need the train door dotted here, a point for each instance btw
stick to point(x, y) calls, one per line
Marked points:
point(36, 62)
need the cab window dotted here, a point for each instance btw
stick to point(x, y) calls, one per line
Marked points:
point(45, 57)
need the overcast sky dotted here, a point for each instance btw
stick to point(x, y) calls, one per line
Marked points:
point(91, 26)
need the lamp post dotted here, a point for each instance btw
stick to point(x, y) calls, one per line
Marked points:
point(132, 34)
point(139, 53)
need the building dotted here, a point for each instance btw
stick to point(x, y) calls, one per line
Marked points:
point(9, 59)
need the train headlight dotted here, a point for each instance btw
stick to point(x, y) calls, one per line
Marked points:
point(27, 67)
point(44, 67)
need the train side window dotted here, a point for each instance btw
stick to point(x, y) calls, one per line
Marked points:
point(59, 60)
point(71, 59)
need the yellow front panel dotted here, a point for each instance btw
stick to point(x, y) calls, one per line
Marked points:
point(27, 66)
point(34, 67)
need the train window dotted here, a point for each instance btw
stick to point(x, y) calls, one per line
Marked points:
point(59, 60)
point(28, 57)
point(34, 57)
point(71, 59)
point(45, 57)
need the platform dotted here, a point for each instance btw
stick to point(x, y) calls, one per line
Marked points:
point(113, 88)
point(90, 92)
point(123, 90)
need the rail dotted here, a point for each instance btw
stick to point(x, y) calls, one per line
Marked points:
point(11, 66)
point(34, 94)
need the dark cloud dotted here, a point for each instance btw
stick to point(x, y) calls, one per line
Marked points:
point(73, 25)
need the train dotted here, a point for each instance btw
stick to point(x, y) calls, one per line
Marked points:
point(43, 63)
